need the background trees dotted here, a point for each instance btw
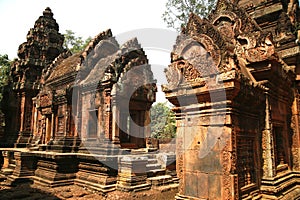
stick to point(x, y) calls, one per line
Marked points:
point(178, 11)
point(74, 43)
point(4, 72)
point(162, 121)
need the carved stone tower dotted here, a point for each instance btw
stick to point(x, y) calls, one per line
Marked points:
point(44, 43)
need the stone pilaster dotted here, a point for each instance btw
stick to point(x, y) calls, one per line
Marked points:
point(269, 169)
point(296, 134)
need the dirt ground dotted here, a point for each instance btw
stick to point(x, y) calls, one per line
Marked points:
point(34, 192)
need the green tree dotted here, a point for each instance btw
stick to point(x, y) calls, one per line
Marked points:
point(4, 72)
point(4, 78)
point(162, 121)
point(74, 43)
point(178, 11)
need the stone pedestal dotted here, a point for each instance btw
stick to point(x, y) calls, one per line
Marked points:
point(55, 169)
point(8, 164)
point(25, 164)
point(132, 174)
point(97, 173)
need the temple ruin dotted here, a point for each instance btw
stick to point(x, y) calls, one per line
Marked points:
point(233, 80)
point(234, 83)
point(70, 116)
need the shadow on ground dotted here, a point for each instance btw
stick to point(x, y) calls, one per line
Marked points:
point(25, 192)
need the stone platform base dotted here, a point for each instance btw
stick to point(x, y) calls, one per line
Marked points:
point(284, 186)
point(102, 173)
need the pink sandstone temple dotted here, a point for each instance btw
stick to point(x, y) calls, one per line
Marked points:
point(233, 80)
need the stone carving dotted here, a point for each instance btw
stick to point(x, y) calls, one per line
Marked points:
point(182, 72)
point(174, 77)
point(264, 49)
point(226, 179)
point(45, 98)
point(179, 163)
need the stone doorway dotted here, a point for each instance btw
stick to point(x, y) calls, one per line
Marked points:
point(48, 128)
point(92, 124)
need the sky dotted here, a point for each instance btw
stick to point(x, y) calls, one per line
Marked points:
point(88, 18)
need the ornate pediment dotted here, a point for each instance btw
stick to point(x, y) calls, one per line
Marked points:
point(198, 27)
point(219, 44)
point(44, 98)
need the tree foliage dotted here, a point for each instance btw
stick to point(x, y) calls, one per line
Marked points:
point(4, 71)
point(178, 11)
point(4, 78)
point(162, 121)
point(74, 43)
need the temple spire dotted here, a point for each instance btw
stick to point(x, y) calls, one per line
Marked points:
point(43, 44)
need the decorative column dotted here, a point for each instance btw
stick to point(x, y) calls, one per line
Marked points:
point(77, 112)
point(52, 128)
point(115, 118)
point(34, 119)
point(147, 121)
point(66, 121)
point(22, 108)
point(43, 135)
point(296, 134)
point(108, 112)
point(269, 170)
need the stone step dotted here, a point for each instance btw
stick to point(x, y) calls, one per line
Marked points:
point(152, 161)
point(153, 167)
point(7, 171)
point(95, 186)
point(156, 172)
point(12, 161)
point(175, 180)
point(13, 180)
point(171, 173)
point(160, 180)
point(151, 156)
point(178, 197)
point(11, 166)
point(139, 151)
point(165, 188)
point(135, 188)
